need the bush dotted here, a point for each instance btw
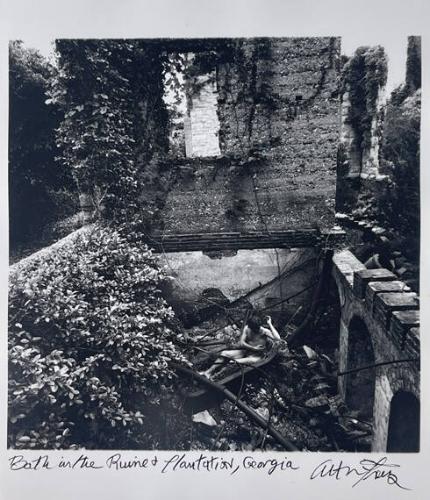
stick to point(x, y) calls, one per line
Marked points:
point(35, 179)
point(90, 340)
point(401, 154)
point(114, 118)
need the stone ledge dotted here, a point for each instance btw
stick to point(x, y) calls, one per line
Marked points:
point(345, 264)
point(365, 276)
point(234, 240)
point(400, 325)
point(387, 302)
point(375, 287)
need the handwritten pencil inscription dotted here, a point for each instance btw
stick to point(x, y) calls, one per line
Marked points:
point(367, 469)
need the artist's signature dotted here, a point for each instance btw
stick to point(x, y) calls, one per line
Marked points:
point(367, 469)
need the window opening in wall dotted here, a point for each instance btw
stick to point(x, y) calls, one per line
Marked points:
point(191, 97)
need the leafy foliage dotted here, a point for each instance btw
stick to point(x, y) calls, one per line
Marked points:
point(363, 75)
point(111, 95)
point(40, 191)
point(95, 136)
point(90, 340)
point(401, 154)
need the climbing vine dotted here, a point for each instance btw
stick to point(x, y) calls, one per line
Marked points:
point(108, 101)
point(363, 76)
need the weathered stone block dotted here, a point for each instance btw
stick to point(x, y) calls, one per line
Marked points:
point(386, 303)
point(375, 287)
point(361, 278)
point(400, 324)
point(345, 264)
point(412, 343)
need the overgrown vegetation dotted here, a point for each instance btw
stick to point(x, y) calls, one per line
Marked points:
point(91, 338)
point(385, 206)
point(400, 206)
point(364, 74)
point(41, 191)
point(90, 341)
point(110, 93)
point(394, 202)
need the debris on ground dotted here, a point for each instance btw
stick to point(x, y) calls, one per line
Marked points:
point(297, 394)
point(204, 417)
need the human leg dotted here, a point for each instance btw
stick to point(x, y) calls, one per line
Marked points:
point(221, 360)
point(249, 360)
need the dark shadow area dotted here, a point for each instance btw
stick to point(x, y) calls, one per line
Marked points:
point(404, 424)
point(360, 386)
point(325, 336)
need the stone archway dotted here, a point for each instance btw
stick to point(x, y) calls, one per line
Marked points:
point(404, 423)
point(360, 385)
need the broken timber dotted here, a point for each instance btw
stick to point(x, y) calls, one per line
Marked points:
point(252, 414)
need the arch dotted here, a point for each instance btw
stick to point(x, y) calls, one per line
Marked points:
point(404, 423)
point(360, 385)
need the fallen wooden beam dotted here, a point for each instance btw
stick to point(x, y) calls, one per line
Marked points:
point(249, 412)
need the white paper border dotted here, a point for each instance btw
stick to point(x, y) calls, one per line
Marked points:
point(198, 18)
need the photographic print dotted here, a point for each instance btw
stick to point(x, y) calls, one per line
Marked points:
point(214, 245)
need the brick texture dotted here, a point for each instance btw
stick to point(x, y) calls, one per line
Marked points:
point(202, 139)
point(278, 137)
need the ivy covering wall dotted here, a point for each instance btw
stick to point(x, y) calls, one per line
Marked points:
point(111, 94)
point(364, 75)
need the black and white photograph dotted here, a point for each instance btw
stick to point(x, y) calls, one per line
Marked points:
point(214, 245)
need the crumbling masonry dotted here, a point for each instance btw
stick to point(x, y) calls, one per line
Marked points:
point(268, 134)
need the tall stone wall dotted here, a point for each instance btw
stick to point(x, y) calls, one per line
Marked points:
point(362, 111)
point(278, 111)
point(413, 64)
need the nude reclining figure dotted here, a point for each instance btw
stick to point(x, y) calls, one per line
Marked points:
point(254, 342)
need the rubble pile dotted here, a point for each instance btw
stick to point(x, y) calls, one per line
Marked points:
point(296, 394)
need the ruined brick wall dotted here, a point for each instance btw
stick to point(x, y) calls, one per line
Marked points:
point(250, 273)
point(362, 113)
point(413, 64)
point(391, 316)
point(278, 111)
